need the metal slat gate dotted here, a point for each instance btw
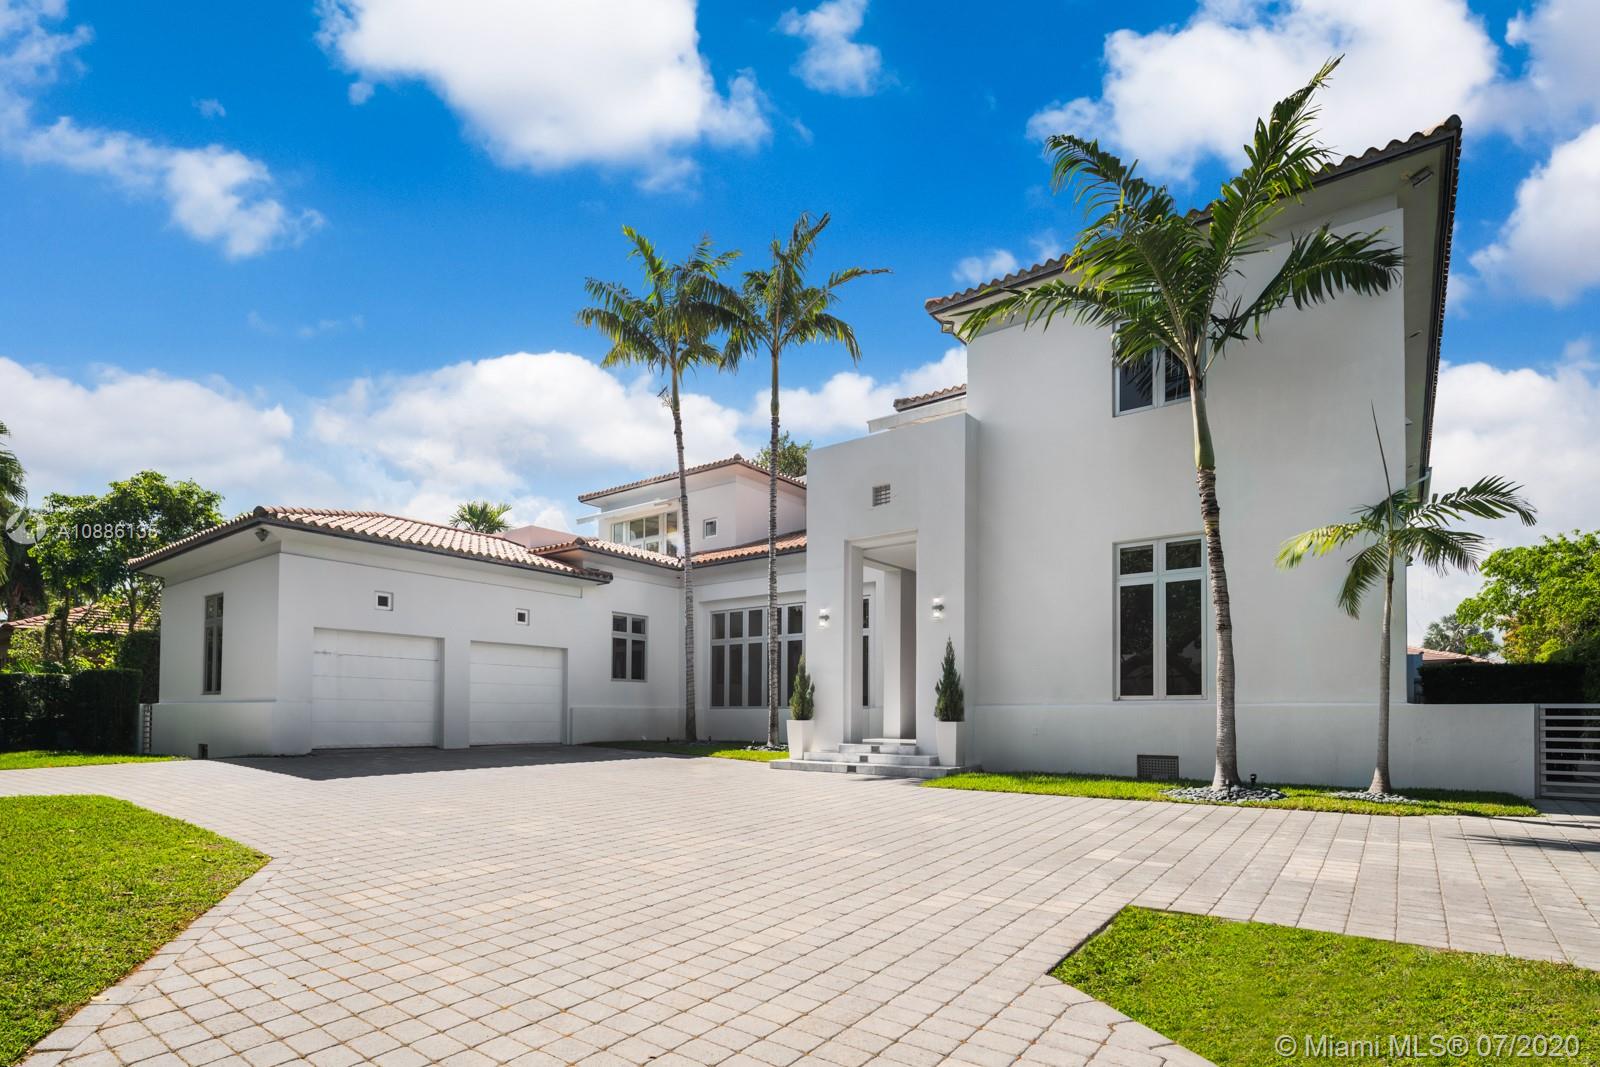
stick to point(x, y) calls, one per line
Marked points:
point(1569, 751)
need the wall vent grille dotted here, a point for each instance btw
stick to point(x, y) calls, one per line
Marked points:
point(1158, 768)
point(880, 495)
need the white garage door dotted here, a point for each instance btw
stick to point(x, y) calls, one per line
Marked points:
point(517, 694)
point(372, 689)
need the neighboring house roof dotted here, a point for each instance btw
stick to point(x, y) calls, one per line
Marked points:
point(1435, 655)
point(733, 460)
point(787, 543)
point(96, 618)
point(1446, 133)
point(377, 527)
point(906, 403)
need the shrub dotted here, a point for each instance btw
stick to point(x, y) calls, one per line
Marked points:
point(949, 701)
point(96, 710)
point(141, 651)
point(803, 698)
point(1502, 683)
point(1585, 653)
point(33, 710)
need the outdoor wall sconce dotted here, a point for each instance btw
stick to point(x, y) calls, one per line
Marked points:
point(822, 618)
point(938, 609)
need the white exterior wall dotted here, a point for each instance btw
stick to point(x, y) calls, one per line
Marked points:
point(727, 587)
point(274, 605)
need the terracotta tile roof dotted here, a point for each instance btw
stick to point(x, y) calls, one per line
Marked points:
point(1435, 655)
point(385, 529)
point(906, 403)
point(96, 618)
point(787, 543)
point(1449, 127)
point(732, 460)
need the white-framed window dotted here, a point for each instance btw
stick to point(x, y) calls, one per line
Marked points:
point(522, 616)
point(739, 649)
point(382, 601)
point(708, 528)
point(211, 671)
point(1150, 383)
point(629, 645)
point(1161, 619)
point(653, 533)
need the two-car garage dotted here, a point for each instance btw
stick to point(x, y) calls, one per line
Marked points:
point(375, 689)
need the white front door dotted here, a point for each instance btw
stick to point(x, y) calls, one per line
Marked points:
point(372, 689)
point(518, 693)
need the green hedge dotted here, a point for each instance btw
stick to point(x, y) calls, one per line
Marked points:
point(1502, 683)
point(141, 651)
point(91, 711)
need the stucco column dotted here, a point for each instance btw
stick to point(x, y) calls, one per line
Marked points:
point(849, 622)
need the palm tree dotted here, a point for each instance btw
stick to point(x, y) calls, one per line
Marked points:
point(779, 307)
point(482, 516)
point(1164, 282)
point(669, 329)
point(13, 494)
point(1400, 528)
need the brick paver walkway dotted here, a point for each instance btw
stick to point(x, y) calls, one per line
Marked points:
point(535, 907)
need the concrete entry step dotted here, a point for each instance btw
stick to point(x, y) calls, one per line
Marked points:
point(868, 770)
point(893, 746)
point(879, 759)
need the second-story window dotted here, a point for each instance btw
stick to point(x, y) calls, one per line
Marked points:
point(653, 533)
point(1150, 383)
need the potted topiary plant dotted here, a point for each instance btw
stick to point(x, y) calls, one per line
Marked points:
point(802, 706)
point(949, 708)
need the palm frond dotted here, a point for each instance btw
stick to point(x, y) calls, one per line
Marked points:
point(1442, 550)
point(1321, 265)
point(1366, 568)
point(1492, 497)
point(1319, 542)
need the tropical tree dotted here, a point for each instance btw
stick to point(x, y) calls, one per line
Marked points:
point(792, 456)
point(781, 307)
point(482, 516)
point(1448, 633)
point(1402, 528)
point(13, 495)
point(1544, 598)
point(1165, 282)
point(669, 328)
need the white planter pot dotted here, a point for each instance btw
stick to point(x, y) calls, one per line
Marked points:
point(952, 741)
point(800, 733)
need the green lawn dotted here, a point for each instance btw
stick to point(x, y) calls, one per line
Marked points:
point(38, 757)
point(89, 888)
point(1228, 990)
point(1300, 797)
point(718, 749)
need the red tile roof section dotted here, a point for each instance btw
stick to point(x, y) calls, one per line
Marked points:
point(906, 403)
point(787, 543)
point(95, 618)
point(655, 479)
point(384, 529)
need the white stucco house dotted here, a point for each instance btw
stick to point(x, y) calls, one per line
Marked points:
point(1041, 517)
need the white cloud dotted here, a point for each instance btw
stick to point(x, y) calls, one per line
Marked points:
point(211, 108)
point(1559, 89)
point(833, 62)
point(214, 194)
point(547, 84)
point(1537, 427)
point(842, 405)
point(1547, 247)
point(1178, 95)
point(975, 270)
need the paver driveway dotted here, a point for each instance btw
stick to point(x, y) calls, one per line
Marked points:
point(542, 906)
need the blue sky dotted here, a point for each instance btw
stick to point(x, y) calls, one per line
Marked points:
point(288, 248)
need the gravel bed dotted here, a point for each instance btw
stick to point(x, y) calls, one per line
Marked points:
point(1236, 795)
point(1376, 798)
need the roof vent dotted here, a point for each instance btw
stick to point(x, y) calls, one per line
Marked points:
point(880, 495)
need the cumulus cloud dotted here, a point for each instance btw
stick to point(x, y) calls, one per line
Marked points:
point(1547, 246)
point(214, 194)
point(1178, 95)
point(975, 270)
point(1559, 89)
point(833, 61)
point(843, 404)
point(1536, 426)
point(546, 84)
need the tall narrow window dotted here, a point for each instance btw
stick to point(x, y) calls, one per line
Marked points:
point(1150, 383)
point(211, 673)
point(738, 654)
point(866, 652)
point(629, 641)
point(1161, 619)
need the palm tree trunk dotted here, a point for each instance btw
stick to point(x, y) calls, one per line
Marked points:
point(774, 687)
point(1205, 461)
point(1380, 773)
point(689, 732)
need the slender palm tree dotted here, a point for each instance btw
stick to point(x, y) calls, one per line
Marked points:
point(1398, 529)
point(670, 329)
point(780, 307)
point(13, 494)
point(482, 516)
point(1165, 282)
